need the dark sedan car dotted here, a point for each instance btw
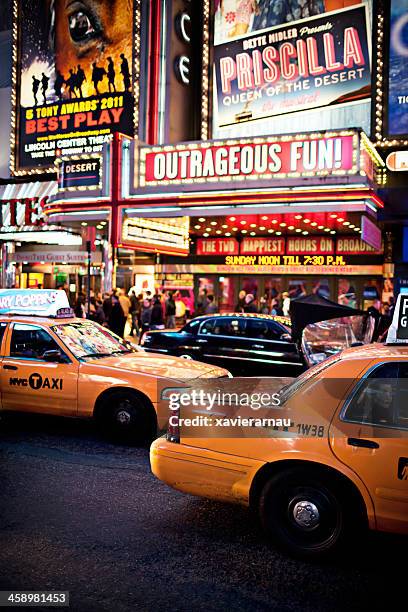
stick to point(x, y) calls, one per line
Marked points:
point(245, 344)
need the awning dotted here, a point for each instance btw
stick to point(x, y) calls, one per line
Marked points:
point(35, 189)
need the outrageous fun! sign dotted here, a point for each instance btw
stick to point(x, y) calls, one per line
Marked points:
point(73, 85)
point(262, 158)
point(319, 61)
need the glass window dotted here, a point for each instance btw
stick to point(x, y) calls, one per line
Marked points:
point(229, 327)
point(381, 399)
point(263, 329)
point(2, 330)
point(207, 327)
point(31, 342)
point(87, 339)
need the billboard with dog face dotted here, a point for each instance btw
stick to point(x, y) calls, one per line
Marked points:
point(74, 80)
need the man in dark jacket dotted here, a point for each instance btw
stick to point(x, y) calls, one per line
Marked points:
point(156, 318)
point(250, 304)
point(170, 312)
point(117, 319)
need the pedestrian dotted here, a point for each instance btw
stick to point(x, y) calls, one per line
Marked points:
point(79, 308)
point(285, 304)
point(276, 308)
point(202, 302)
point(180, 309)
point(124, 302)
point(156, 317)
point(170, 312)
point(263, 305)
point(145, 317)
point(250, 304)
point(117, 319)
point(241, 301)
point(211, 306)
point(96, 311)
point(134, 312)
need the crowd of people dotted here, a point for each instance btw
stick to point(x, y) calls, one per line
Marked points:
point(278, 304)
point(132, 314)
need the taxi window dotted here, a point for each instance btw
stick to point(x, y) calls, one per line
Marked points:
point(31, 342)
point(2, 330)
point(381, 397)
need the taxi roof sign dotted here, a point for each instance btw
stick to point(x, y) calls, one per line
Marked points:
point(398, 330)
point(35, 302)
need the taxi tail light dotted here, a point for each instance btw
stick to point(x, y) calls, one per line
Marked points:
point(173, 428)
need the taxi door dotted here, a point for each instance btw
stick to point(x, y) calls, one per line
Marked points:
point(29, 382)
point(370, 435)
point(3, 327)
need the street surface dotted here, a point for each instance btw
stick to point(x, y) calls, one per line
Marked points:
point(80, 514)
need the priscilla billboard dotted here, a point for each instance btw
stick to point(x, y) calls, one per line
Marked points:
point(269, 62)
point(397, 124)
point(73, 80)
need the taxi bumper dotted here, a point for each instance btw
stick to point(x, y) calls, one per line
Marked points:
point(204, 473)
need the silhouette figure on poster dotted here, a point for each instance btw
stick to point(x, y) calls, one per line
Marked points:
point(36, 85)
point(124, 69)
point(58, 83)
point(71, 83)
point(44, 86)
point(80, 79)
point(97, 76)
point(111, 75)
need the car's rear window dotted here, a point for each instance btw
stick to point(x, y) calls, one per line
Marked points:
point(301, 380)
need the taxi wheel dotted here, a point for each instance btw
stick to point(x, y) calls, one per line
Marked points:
point(304, 511)
point(186, 356)
point(127, 416)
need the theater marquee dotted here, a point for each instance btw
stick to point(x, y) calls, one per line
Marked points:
point(310, 155)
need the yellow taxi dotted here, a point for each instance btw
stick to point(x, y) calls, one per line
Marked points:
point(54, 363)
point(333, 462)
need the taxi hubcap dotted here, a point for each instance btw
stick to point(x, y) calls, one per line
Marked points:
point(186, 357)
point(123, 417)
point(306, 514)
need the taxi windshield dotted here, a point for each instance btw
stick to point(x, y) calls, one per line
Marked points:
point(88, 339)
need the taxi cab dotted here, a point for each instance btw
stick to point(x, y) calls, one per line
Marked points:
point(54, 363)
point(338, 466)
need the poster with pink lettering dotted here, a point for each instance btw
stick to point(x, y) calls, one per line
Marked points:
point(270, 62)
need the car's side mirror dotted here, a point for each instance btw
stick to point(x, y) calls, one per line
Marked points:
point(286, 337)
point(53, 356)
